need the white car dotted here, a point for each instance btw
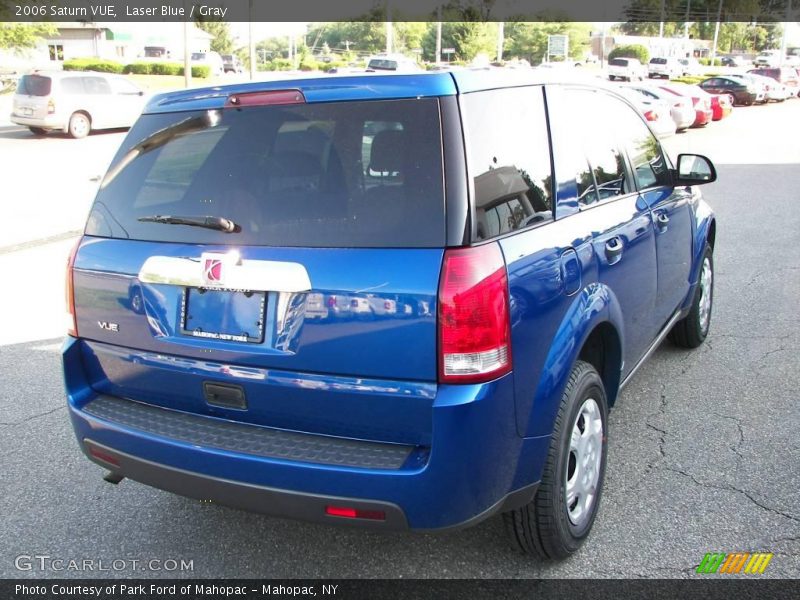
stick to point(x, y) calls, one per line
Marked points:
point(626, 69)
point(667, 67)
point(768, 58)
point(75, 102)
point(690, 66)
point(392, 62)
point(212, 60)
point(656, 112)
point(681, 108)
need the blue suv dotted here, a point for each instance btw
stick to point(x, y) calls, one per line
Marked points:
point(391, 301)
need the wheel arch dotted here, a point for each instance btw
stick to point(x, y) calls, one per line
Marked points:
point(592, 329)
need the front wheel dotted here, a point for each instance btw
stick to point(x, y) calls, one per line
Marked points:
point(558, 520)
point(691, 331)
point(79, 125)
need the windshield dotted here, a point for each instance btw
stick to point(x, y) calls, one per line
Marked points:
point(34, 85)
point(382, 64)
point(349, 174)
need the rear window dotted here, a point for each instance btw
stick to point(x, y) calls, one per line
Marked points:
point(618, 62)
point(658, 61)
point(34, 85)
point(350, 174)
point(382, 65)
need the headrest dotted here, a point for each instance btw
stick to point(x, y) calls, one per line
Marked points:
point(388, 154)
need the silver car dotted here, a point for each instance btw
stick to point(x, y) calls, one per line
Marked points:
point(75, 102)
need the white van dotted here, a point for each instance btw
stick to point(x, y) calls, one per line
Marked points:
point(626, 69)
point(75, 102)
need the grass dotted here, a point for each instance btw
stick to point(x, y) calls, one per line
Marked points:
point(166, 83)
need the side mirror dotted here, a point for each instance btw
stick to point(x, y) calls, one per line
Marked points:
point(694, 169)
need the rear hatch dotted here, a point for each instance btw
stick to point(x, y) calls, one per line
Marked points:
point(308, 279)
point(33, 96)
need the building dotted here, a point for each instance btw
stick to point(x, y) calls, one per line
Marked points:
point(677, 47)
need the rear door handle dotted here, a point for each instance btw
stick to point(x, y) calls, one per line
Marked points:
point(614, 250)
point(662, 220)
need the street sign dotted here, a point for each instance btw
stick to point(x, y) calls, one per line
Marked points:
point(558, 45)
point(448, 50)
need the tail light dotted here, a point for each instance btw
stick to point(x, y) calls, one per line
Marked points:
point(387, 305)
point(651, 115)
point(51, 107)
point(331, 301)
point(354, 303)
point(474, 324)
point(72, 325)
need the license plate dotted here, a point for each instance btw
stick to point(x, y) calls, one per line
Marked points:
point(228, 315)
point(28, 112)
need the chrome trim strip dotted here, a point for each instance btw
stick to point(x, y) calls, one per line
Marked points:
point(656, 343)
point(239, 274)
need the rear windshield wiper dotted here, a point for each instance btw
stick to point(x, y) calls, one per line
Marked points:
point(218, 223)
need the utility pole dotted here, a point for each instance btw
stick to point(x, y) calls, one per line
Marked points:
point(661, 23)
point(783, 38)
point(686, 19)
point(187, 56)
point(500, 39)
point(252, 44)
point(388, 33)
point(439, 35)
point(716, 34)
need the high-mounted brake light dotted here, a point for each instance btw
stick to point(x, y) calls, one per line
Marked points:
point(474, 323)
point(268, 98)
point(72, 325)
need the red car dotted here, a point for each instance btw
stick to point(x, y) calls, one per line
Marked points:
point(701, 100)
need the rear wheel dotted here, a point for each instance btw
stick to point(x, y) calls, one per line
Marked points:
point(38, 130)
point(79, 125)
point(692, 330)
point(557, 521)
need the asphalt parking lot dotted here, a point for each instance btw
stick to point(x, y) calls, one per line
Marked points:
point(703, 445)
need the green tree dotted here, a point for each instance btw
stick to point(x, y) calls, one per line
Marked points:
point(222, 41)
point(24, 35)
point(529, 40)
point(467, 38)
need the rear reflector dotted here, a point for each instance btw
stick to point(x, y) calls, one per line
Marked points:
point(349, 512)
point(474, 324)
point(72, 326)
point(270, 98)
point(104, 456)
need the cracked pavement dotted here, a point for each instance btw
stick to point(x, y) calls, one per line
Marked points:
point(704, 454)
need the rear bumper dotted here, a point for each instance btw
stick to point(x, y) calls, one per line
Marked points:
point(49, 122)
point(475, 466)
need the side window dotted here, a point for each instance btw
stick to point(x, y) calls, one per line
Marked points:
point(602, 175)
point(509, 158)
point(72, 85)
point(125, 87)
point(650, 165)
point(96, 85)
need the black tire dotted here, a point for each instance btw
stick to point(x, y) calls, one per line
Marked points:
point(543, 527)
point(690, 331)
point(79, 125)
point(38, 130)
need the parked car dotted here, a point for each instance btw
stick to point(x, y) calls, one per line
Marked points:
point(626, 69)
point(75, 102)
point(656, 112)
point(392, 62)
point(666, 67)
point(721, 106)
point(681, 107)
point(737, 90)
point(786, 76)
point(701, 101)
point(211, 59)
point(690, 66)
point(768, 58)
point(544, 296)
point(231, 64)
point(767, 88)
point(733, 61)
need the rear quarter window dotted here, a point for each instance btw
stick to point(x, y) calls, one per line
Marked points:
point(348, 174)
point(509, 160)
